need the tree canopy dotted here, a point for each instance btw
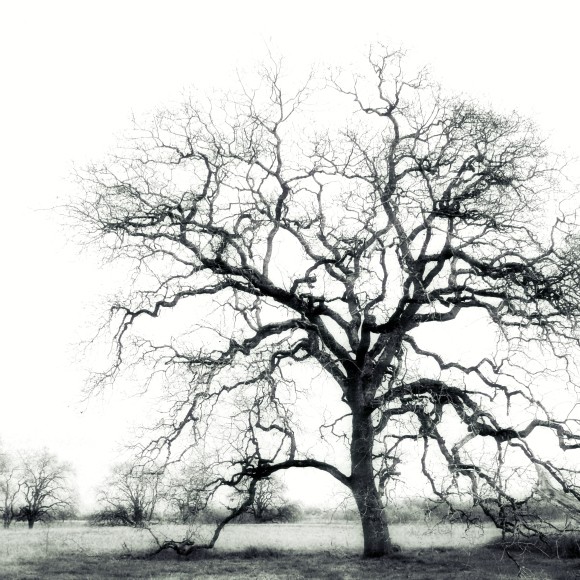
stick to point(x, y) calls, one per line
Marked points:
point(45, 487)
point(130, 495)
point(324, 242)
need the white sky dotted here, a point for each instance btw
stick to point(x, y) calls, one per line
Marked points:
point(72, 73)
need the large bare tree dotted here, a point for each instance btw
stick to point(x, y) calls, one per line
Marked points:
point(46, 487)
point(303, 248)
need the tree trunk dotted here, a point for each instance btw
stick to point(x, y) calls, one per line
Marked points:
point(375, 527)
point(30, 523)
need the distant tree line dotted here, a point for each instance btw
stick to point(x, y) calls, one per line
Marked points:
point(136, 494)
point(428, 510)
point(35, 486)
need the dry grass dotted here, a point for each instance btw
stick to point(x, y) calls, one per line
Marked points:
point(314, 550)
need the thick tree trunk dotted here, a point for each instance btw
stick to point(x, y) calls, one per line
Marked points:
point(375, 527)
point(30, 523)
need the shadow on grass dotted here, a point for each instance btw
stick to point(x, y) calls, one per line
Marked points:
point(253, 562)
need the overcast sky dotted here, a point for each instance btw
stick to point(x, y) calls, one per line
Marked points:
point(74, 72)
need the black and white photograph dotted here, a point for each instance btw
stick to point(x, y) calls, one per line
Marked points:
point(290, 291)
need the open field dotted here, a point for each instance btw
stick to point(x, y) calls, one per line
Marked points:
point(307, 550)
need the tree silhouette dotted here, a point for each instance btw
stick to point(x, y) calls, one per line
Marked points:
point(9, 488)
point(330, 251)
point(45, 487)
point(130, 495)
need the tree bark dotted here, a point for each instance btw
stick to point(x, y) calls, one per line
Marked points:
point(375, 527)
point(30, 524)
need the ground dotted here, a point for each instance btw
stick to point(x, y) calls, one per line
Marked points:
point(267, 551)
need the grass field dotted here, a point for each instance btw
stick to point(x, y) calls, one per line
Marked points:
point(307, 550)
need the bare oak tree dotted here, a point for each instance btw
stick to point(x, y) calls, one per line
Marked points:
point(269, 503)
point(317, 260)
point(130, 495)
point(268, 500)
point(186, 491)
point(9, 488)
point(46, 487)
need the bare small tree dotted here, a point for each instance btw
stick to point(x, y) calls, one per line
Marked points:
point(130, 495)
point(270, 503)
point(46, 487)
point(187, 490)
point(329, 251)
point(9, 488)
point(268, 499)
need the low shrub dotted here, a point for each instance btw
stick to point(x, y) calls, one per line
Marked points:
point(110, 517)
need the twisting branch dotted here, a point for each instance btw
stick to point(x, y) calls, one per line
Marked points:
point(309, 259)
